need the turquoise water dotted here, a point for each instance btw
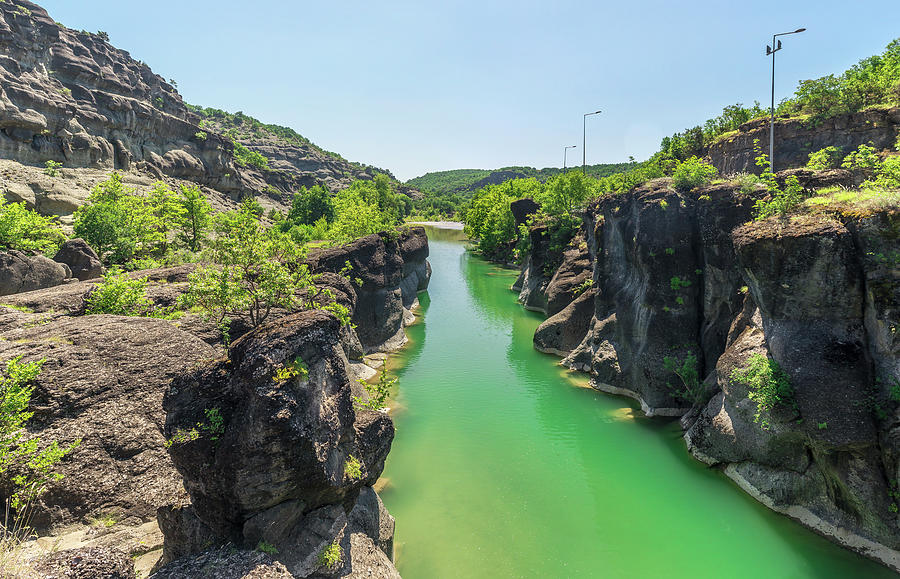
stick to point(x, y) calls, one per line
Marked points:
point(505, 465)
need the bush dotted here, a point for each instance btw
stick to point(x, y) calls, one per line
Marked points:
point(887, 174)
point(330, 556)
point(244, 156)
point(693, 173)
point(827, 158)
point(767, 384)
point(310, 205)
point(254, 270)
point(862, 159)
point(18, 451)
point(26, 230)
point(353, 468)
point(51, 168)
point(691, 389)
point(781, 201)
point(565, 193)
point(195, 217)
point(119, 295)
point(378, 393)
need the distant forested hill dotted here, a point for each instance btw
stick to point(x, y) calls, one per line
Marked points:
point(467, 181)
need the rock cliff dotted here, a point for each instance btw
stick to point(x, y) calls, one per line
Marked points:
point(691, 275)
point(71, 97)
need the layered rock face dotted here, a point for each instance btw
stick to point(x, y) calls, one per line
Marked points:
point(798, 138)
point(678, 275)
point(73, 98)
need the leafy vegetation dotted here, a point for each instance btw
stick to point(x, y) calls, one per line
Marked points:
point(33, 468)
point(254, 269)
point(781, 201)
point(330, 556)
point(693, 173)
point(26, 230)
point(691, 389)
point(119, 295)
point(767, 384)
point(827, 158)
point(51, 168)
point(378, 393)
point(353, 468)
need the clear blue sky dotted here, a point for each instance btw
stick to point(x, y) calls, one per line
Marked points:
point(423, 86)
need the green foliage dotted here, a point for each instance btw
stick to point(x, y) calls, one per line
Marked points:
point(378, 393)
point(862, 159)
point(887, 174)
point(489, 220)
point(119, 295)
point(244, 156)
point(254, 269)
point(353, 468)
point(201, 135)
point(26, 230)
point(781, 201)
point(368, 207)
point(676, 283)
point(51, 168)
point(465, 182)
point(120, 224)
point(18, 451)
point(583, 287)
point(195, 217)
point(873, 81)
point(827, 158)
point(767, 384)
point(564, 194)
point(692, 173)
point(267, 548)
point(330, 556)
point(214, 425)
point(292, 370)
point(691, 389)
point(310, 205)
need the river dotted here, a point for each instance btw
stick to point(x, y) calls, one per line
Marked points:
point(505, 465)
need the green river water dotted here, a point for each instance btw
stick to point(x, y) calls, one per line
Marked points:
point(505, 465)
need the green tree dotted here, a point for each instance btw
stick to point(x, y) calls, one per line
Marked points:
point(195, 217)
point(692, 173)
point(164, 215)
point(310, 205)
point(255, 269)
point(26, 230)
point(565, 193)
point(110, 220)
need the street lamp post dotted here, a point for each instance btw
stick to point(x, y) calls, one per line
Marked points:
point(584, 141)
point(565, 153)
point(772, 50)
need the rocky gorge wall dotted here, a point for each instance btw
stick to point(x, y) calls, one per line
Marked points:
point(797, 138)
point(677, 275)
point(125, 386)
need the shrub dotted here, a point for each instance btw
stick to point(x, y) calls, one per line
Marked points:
point(353, 468)
point(195, 217)
point(330, 556)
point(244, 156)
point(378, 393)
point(781, 201)
point(827, 158)
point(691, 389)
point(119, 295)
point(201, 135)
point(51, 168)
point(18, 451)
point(310, 205)
point(565, 193)
point(767, 385)
point(267, 548)
point(254, 270)
point(26, 230)
point(887, 174)
point(693, 173)
point(862, 159)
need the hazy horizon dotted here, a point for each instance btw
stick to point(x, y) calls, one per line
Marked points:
point(415, 89)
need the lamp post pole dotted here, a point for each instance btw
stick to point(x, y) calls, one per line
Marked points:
point(771, 50)
point(584, 141)
point(565, 153)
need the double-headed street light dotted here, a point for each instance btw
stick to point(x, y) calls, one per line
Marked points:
point(772, 50)
point(584, 141)
point(565, 153)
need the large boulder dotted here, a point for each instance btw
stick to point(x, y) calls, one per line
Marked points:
point(20, 272)
point(266, 441)
point(81, 259)
point(102, 382)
